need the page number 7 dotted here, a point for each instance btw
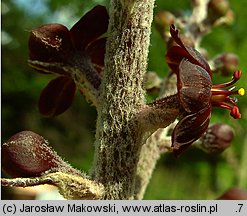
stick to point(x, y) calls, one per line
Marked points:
point(240, 207)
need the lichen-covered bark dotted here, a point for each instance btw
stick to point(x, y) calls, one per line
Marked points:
point(118, 136)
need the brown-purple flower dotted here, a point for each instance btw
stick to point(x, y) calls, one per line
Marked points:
point(196, 93)
point(55, 49)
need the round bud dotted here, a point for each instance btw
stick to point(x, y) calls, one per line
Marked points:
point(217, 138)
point(27, 154)
point(152, 83)
point(220, 7)
point(217, 9)
point(234, 194)
point(226, 63)
point(163, 20)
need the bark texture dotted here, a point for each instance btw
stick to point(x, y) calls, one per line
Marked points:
point(119, 137)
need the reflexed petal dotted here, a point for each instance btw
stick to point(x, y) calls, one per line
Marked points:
point(96, 51)
point(189, 129)
point(191, 54)
point(57, 96)
point(194, 86)
point(91, 26)
point(197, 58)
point(50, 43)
point(174, 56)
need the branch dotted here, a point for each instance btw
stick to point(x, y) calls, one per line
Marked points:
point(70, 186)
point(84, 75)
point(159, 114)
point(199, 13)
point(155, 146)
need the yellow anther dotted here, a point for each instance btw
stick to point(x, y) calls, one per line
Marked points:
point(241, 91)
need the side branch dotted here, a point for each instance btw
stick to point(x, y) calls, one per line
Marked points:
point(157, 144)
point(159, 114)
point(70, 186)
point(84, 75)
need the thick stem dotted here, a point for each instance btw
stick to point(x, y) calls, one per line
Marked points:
point(118, 137)
point(155, 146)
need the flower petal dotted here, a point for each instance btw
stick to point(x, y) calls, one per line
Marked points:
point(174, 56)
point(194, 86)
point(57, 96)
point(91, 26)
point(191, 54)
point(189, 129)
point(50, 43)
point(96, 51)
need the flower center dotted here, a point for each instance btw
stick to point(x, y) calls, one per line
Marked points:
point(221, 96)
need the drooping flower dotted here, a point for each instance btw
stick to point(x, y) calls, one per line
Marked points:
point(196, 93)
point(55, 49)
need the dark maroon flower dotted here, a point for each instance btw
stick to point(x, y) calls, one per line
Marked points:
point(196, 93)
point(55, 49)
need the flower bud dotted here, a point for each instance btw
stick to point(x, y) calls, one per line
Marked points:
point(219, 6)
point(217, 9)
point(234, 194)
point(217, 138)
point(229, 17)
point(226, 63)
point(219, 12)
point(163, 20)
point(27, 154)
